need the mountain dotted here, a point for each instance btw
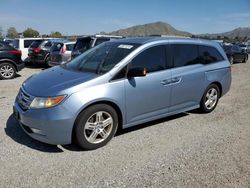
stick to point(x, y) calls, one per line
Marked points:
point(157, 28)
point(238, 32)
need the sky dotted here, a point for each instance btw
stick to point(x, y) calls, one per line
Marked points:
point(72, 17)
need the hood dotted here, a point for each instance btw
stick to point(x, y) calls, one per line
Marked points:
point(54, 81)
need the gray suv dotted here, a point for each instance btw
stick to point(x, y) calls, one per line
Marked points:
point(121, 83)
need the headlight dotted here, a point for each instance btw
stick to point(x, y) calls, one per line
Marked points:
point(39, 102)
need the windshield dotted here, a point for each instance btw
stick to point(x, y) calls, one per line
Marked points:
point(101, 58)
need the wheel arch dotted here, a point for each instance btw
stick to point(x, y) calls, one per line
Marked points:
point(9, 61)
point(107, 102)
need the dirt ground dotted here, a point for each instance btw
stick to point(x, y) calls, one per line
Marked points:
point(185, 150)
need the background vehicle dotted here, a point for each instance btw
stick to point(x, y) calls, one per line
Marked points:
point(235, 54)
point(39, 50)
point(85, 43)
point(23, 45)
point(10, 61)
point(60, 52)
point(122, 83)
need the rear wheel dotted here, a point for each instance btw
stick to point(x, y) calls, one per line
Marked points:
point(210, 98)
point(7, 71)
point(231, 60)
point(96, 126)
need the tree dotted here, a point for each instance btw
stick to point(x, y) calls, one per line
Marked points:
point(1, 33)
point(12, 33)
point(55, 34)
point(29, 32)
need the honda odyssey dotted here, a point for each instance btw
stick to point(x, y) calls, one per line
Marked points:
point(121, 83)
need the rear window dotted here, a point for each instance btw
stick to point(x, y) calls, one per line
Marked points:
point(56, 47)
point(27, 43)
point(101, 40)
point(209, 54)
point(35, 44)
point(16, 43)
point(69, 47)
point(82, 44)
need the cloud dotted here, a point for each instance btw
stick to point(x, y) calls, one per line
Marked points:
point(117, 23)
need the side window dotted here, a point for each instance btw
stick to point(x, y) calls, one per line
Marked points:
point(185, 54)
point(209, 54)
point(153, 59)
point(48, 45)
point(1, 46)
point(121, 74)
point(27, 43)
point(69, 47)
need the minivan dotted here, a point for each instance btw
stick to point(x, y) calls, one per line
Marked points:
point(119, 84)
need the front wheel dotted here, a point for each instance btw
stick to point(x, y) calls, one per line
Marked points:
point(96, 126)
point(210, 99)
point(7, 71)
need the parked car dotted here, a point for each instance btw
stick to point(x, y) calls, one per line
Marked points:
point(235, 54)
point(87, 42)
point(39, 50)
point(121, 83)
point(8, 41)
point(23, 44)
point(245, 47)
point(60, 52)
point(10, 61)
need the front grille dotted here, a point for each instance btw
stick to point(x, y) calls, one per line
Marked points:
point(24, 99)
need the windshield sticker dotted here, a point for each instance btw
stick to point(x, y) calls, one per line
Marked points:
point(125, 46)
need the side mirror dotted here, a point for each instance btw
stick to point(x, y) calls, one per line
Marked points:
point(137, 72)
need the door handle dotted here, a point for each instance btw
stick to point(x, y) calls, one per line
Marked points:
point(176, 80)
point(165, 82)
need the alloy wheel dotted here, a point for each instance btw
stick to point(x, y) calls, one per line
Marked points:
point(7, 71)
point(98, 127)
point(211, 98)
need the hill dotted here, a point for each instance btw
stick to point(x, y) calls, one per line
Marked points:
point(157, 28)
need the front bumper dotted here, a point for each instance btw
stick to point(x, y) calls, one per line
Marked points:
point(52, 125)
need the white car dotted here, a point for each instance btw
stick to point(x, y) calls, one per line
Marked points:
point(23, 44)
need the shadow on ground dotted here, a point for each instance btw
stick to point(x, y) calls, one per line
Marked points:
point(74, 147)
point(14, 131)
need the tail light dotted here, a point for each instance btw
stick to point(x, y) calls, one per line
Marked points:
point(63, 50)
point(16, 52)
point(36, 50)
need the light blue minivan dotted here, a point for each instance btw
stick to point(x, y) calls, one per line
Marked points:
point(121, 83)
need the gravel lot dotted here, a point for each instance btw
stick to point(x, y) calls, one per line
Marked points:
point(186, 150)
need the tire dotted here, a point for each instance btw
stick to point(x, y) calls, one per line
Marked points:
point(91, 131)
point(211, 94)
point(231, 60)
point(7, 71)
point(245, 59)
point(47, 61)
